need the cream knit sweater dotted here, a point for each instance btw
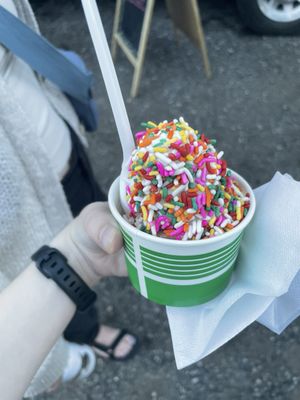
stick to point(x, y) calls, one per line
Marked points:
point(33, 207)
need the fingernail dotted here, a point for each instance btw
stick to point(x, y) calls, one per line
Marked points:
point(107, 237)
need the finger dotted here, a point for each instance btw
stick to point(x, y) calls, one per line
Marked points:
point(101, 227)
point(115, 264)
point(121, 269)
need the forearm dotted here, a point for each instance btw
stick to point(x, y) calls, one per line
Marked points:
point(33, 313)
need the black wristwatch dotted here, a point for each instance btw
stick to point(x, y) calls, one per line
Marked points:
point(53, 265)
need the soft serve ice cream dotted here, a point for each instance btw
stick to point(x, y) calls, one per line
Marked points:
point(179, 186)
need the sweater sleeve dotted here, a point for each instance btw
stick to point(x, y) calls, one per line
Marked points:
point(23, 228)
point(10, 194)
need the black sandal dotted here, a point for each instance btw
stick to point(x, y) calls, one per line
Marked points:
point(109, 350)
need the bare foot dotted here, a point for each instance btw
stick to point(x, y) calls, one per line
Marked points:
point(106, 337)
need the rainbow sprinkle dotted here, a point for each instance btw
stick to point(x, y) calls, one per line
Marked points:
point(179, 186)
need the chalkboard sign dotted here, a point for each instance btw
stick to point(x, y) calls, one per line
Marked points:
point(186, 17)
point(132, 17)
point(132, 25)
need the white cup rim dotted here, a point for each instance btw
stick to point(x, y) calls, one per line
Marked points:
point(186, 243)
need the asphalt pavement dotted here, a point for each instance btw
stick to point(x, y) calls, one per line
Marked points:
point(251, 106)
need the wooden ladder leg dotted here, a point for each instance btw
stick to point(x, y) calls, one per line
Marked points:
point(114, 44)
point(204, 54)
point(142, 48)
point(202, 41)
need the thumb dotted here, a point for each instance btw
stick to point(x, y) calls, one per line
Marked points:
point(101, 227)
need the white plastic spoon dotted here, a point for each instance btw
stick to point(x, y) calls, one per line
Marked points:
point(113, 90)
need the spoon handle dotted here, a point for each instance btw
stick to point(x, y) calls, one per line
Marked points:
point(109, 75)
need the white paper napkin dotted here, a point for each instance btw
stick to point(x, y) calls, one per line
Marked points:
point(267, 265)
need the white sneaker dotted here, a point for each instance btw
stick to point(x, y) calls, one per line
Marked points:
point(81, 362)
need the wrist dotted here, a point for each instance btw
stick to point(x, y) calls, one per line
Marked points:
point(52, 293)
point(77, 261)
point(54, 266)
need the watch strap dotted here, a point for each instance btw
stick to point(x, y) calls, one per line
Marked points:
point(53, 264)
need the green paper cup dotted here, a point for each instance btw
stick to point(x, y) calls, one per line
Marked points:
point(179, 273)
